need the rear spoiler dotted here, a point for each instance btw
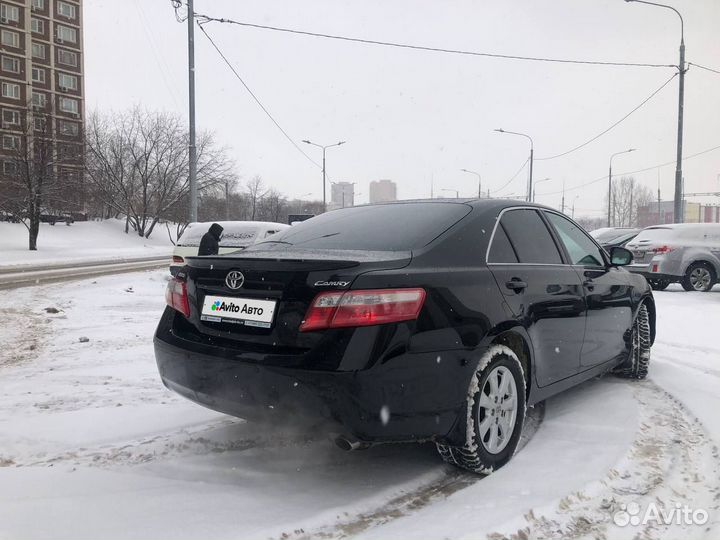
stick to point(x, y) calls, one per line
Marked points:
point(289, 259)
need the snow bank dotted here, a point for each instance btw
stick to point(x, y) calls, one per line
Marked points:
point(80, 242)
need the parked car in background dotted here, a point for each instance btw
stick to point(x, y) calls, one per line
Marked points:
point(237, 235)
point(407, 321)
point(687, 253)
point(609, 237)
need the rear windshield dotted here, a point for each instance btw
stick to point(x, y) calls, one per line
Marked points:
point(659, 233)
point(693, 233)
point(391, 227)
point(232, 236)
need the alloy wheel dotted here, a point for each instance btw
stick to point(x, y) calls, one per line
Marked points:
point(700, 278)
point(497, 410)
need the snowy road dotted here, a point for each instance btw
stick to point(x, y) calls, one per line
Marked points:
point(93, 446)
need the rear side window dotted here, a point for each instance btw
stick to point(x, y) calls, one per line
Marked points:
point(580, 248)
point(530, 237)
point(501, 251)
point(389, 227)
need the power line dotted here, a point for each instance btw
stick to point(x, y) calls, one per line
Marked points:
point(604, 177)
point(704, 67)
point(596, 137)
point(257, 100)
point(514, 176)
point(206, 19)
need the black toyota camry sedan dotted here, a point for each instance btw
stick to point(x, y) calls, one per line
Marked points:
point(408, 321)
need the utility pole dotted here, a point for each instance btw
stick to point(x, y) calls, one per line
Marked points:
point(528, 195)
point(632, 188)
point(479, 181)
point(678, 206)
point(324, 148)
point(192, 150)
point(562, 205)
point(227, 200)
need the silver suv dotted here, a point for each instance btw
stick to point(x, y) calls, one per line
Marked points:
point(687, 253)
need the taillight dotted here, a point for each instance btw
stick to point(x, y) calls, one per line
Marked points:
point(662, 250)
point(178, 259)
point(176, 296)
point(362, 308)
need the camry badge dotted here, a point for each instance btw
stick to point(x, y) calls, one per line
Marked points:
point(234, 280)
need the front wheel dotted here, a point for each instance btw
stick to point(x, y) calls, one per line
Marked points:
point(699, 276)
point(495, 414)
point(638, 361)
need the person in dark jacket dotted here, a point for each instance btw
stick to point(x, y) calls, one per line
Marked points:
point(210, 240)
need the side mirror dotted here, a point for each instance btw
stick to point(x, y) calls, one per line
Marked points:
point(619, 256)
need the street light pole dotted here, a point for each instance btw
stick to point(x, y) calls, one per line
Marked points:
point(324, 148)
point(479, 181)
point(610, 180)
point(528, 198)
point(192, 149)
point(536, 183)
point(678, 210)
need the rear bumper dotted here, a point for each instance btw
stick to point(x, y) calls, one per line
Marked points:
point(667, 270)
point(425, 398)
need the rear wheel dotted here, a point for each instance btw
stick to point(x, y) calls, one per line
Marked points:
point(699, 276)
point(638, 362)
point(658, 284)
point(495, 414)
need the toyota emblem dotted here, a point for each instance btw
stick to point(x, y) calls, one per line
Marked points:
point(234, 280)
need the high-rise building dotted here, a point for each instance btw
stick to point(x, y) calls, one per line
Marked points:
point(41, 75)
point(342, 194)
point(383, 191)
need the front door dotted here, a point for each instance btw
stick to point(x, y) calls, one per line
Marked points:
point(608, 294)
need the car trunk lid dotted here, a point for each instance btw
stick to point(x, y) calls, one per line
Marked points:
point(280, 281)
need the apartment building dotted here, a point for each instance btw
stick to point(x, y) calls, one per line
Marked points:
point(41, 80)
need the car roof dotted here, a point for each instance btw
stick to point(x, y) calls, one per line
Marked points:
point(485, 204)
point(682, 226)
point(238, 224)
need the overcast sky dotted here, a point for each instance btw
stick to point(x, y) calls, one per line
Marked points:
point(413, 116)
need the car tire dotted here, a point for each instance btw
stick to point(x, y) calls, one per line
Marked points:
point(658, 284)
point(638, 361)
point(700, 276)
point(495, 414)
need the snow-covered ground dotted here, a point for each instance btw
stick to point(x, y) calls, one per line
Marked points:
point(83, 241)
point(93, 446)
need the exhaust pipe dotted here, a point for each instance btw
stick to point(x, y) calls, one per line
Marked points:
point(349, 443)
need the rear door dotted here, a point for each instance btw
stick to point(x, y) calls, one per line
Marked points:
point(608, 294)
point(543, 292)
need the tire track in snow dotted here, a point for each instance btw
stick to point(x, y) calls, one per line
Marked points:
point(671, 461)
point(452, 481)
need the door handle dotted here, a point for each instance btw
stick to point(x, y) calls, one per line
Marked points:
point(516, 284)
point(589, 284)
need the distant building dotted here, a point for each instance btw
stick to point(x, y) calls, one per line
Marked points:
point(41, 75)
point(383, 191)
point(663, 212)
point(342, 194)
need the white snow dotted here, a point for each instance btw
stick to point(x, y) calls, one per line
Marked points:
point(93, 446)
point(83, 241)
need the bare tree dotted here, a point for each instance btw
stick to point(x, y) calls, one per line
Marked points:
point(39, 172)
point(255, 190)
point(137, 162)
point(272, 205)
point(627, 196)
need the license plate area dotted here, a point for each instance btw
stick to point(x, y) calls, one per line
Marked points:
point(245, 311)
